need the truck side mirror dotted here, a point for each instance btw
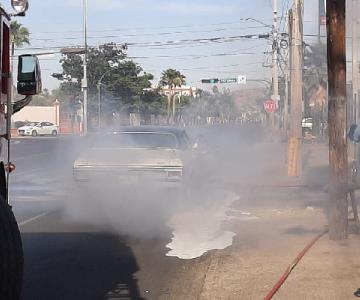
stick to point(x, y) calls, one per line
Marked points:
point(29, 75)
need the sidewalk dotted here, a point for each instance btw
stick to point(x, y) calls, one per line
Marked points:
point(284, 216)
point(293, 212)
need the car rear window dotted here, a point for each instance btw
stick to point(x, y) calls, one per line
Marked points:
point(138, 140)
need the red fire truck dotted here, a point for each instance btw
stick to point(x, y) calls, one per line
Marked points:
point(29, 83)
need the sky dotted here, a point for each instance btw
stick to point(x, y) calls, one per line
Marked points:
point(55, 24)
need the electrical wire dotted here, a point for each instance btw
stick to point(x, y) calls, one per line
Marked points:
point(147, 28)
point(216, 39)
point(144, 34)
point(193, 56)
point(217, 67)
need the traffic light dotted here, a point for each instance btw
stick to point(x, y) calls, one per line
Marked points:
point(213, 80)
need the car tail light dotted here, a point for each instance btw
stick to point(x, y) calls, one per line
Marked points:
point(174, 174)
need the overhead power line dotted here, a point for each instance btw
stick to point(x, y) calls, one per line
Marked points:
point(193, 56)
point(141, 34)
point(182, 57)
point(220, 67)
point(220, 39)
point(202, 40)
point(242, 21)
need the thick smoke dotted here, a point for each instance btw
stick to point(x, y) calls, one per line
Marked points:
point(228, 151)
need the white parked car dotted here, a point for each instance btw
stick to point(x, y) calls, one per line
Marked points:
point(39, 128)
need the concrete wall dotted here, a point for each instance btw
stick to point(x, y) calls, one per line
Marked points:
point(38, 114)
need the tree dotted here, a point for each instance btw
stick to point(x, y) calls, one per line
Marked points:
point(19, 36)
point(172, 78)
point(218, 105)
point(43, 99)
point(215, 90)
point(315, 63)
point(315, 86)
point(99, 62)
point(127, 84)
point(123, 81)
point(152, 103)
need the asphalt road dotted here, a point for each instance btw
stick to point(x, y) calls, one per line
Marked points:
point(66, 259)
point(69, 256)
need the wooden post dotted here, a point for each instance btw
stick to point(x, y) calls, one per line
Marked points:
point(286, 105)
point(275, 71)
point(338, 157)
point(355, 74)
point(296, 89)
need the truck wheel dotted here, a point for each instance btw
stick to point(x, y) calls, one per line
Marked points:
point(34, 133)
point(11, 255)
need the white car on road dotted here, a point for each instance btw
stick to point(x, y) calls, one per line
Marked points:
point(39, 128)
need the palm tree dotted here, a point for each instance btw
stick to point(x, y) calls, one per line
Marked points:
point(19, 36)
point(172, 79)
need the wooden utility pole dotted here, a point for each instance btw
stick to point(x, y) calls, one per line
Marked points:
point(296, 89)
point(286, 104)
point(338, 156)
point(287, 78)
point(275, 72)
point(319, 20)
point(355, 62)
point(355, 79)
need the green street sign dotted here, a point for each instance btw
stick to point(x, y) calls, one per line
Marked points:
point(213, 80)
point(228, 80)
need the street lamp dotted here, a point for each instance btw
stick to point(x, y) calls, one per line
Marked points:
point(113, 67)
point(20, 6)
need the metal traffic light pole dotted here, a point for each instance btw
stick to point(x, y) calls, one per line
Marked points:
point(84, 81)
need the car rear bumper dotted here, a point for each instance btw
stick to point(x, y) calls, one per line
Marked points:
point(169, 176)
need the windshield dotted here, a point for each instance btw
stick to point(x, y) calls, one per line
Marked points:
point(138, 140)
point(32, 124)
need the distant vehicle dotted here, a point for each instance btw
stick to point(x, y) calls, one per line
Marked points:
point(136, 155)
point(26, 126)
point(38, 128)
point(307, 123)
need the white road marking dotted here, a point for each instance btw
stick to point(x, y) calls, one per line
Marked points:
point(31, 156)
point(23, 223)
point(29, 172)
point(19, 199)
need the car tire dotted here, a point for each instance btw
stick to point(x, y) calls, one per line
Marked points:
point(34, 133)
point(54, 133)
point(11, 254)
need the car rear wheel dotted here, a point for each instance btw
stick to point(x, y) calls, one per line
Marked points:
point(34, 133)
point(54, 133)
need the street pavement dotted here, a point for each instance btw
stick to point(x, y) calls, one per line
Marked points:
point(139, 249)
point(232, 240)
point(65, 259)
